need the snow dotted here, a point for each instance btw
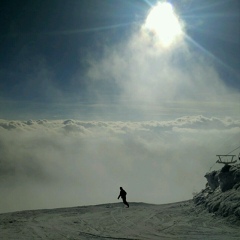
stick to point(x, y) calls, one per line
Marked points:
point(182, 220)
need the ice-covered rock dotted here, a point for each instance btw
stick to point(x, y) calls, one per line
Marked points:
point(222, 193)
point(212, 179)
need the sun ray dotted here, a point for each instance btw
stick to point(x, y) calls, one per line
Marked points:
point(201, 20)
point(212, 56)
point(206, 6)
point(148, 3)
point(86, 30)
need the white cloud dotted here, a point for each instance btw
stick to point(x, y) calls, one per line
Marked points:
point(69, 162)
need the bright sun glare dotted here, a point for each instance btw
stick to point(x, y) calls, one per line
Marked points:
point(164, 23)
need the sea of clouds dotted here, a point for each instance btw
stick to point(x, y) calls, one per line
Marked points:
point(57, 163)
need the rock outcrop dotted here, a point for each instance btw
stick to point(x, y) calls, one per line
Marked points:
point(222, 192)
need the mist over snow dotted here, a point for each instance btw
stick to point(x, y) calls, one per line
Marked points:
point(47, 164)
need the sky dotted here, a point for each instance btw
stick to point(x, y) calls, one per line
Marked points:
point(93, 97)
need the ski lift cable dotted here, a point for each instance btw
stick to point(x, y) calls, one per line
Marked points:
point(233, 150)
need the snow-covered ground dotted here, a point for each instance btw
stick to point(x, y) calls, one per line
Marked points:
point(182, 220)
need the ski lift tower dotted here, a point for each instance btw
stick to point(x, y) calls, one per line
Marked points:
point(230, 161)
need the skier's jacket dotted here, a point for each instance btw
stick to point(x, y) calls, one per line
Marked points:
point(122, 194)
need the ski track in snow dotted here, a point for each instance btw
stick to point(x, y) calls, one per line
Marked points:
point(114, 221)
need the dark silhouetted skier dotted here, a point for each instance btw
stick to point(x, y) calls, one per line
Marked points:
point(123, 194)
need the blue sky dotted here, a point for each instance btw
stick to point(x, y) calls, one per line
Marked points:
point(50, 49)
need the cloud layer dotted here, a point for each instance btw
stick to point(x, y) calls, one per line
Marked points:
point(47, 164)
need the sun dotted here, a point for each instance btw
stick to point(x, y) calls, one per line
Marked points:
point(164, 23)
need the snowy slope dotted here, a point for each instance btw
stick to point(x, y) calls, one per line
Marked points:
point(113, 221)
